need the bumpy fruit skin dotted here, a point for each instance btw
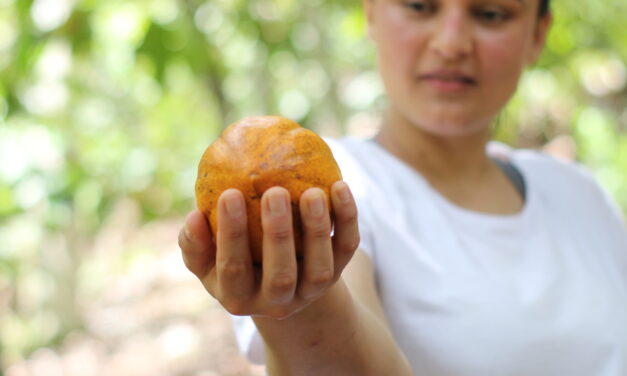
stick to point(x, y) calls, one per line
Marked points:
point(255, 154)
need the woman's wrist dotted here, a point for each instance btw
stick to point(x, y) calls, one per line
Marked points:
point(316, 331)
point(335, 300)
point(334, 335)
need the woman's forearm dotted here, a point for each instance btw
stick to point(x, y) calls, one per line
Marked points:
point(335, 335)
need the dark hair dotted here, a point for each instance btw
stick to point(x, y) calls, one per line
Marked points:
point(544, 8)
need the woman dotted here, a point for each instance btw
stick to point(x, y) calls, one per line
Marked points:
point(468, 264)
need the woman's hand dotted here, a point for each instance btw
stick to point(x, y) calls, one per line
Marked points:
point(281, 285)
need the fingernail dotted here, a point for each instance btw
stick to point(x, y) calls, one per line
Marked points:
point(316, 206)
point(277, 204)
point(344, 194)
point(234, 207)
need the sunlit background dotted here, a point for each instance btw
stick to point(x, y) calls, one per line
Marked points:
point(107, 105)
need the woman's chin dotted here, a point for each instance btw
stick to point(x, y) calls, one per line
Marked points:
point(454, 128)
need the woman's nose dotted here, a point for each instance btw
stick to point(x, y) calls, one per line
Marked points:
point(452, 36)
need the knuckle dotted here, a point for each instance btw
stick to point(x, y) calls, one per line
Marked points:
point(280, 233)
point(353, 243)
point(349, 214)
point(279, 312)
point(350, 243)
point(235, 307)
point(233, 268)
point(318, 230)
point(320, 278)
point(282, 284)
point(191, 266)
point(233, 231)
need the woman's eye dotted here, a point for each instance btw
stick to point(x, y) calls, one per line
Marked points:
point(492, 15)
point(418, 6)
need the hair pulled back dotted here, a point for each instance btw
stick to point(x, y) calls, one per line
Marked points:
point(544, 8)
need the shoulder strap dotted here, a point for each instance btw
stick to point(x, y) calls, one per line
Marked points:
point(514, 175)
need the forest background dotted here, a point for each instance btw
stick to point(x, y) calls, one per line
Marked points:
point(107, 105)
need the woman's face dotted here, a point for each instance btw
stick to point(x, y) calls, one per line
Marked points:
point(449, 66)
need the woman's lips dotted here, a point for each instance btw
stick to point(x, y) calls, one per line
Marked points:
point(448, 84)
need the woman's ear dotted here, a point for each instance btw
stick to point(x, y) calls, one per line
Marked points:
point(543, 25)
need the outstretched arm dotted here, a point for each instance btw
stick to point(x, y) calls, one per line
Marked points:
point(343, 333)
point(313, 320)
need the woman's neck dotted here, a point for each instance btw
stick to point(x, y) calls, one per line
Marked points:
point(457, 167)
point(443, 159)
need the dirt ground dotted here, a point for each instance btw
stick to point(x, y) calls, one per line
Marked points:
point(148, 317)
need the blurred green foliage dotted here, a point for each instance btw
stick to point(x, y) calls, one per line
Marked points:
point(109, 100)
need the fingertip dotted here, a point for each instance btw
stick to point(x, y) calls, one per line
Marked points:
point(231, 204)
point(231, 192)
point(313, 203)
point(277, 191)
point(193, 216)
point(341, 192)
point(312, 193)
point(197, 226)
point(275, 202)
